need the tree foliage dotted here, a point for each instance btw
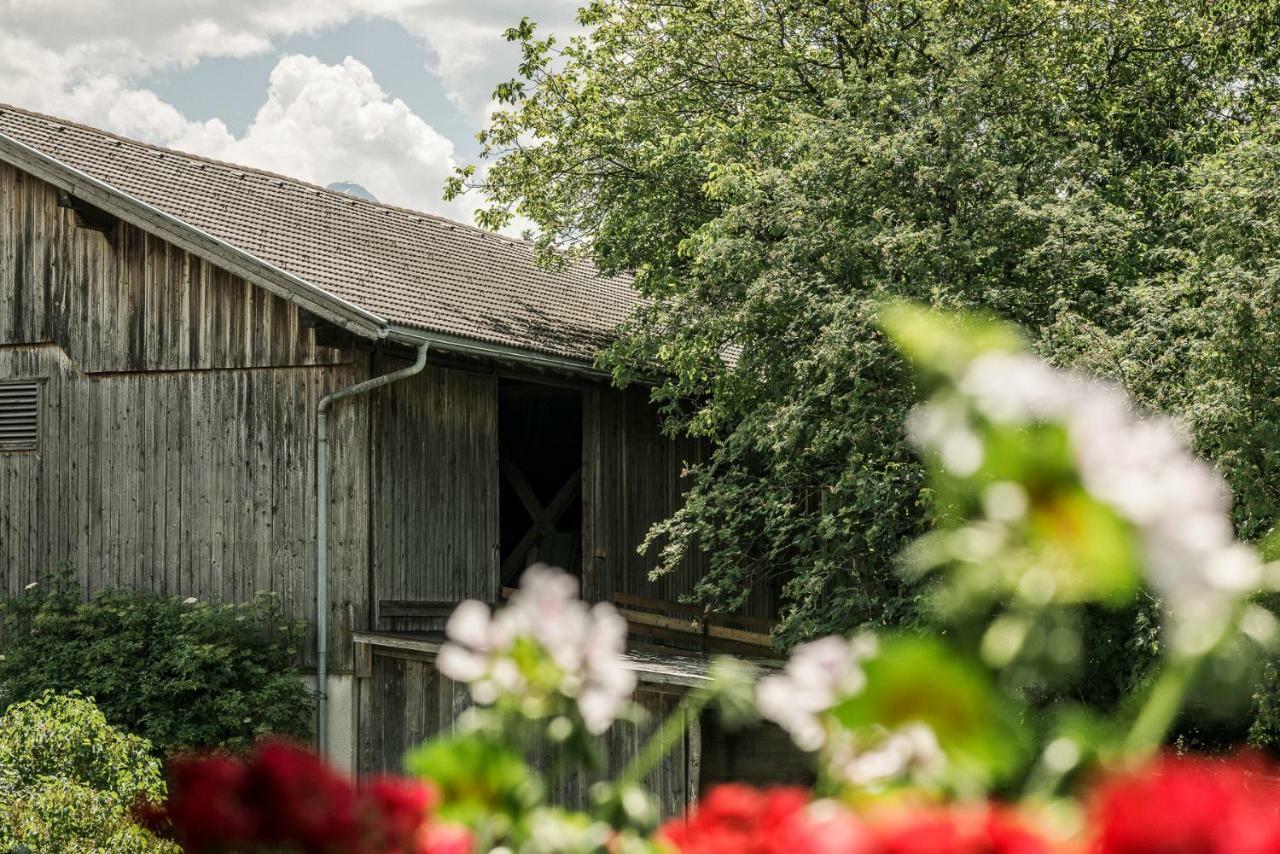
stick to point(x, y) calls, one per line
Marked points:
point(68, 780)
point(771, 170)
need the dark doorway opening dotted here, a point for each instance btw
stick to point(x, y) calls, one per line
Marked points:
point(540, 493)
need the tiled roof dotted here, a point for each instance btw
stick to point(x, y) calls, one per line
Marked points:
point(411, 269)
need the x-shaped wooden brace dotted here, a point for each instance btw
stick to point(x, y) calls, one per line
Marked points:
point(544, 518)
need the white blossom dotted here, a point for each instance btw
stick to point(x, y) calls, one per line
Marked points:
point(1141, 467)
point(586, 643)
point(909, 751)
point(817, 677)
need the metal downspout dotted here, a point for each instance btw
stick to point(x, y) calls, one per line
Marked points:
point(322, 530)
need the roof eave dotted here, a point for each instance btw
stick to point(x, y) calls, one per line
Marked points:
point(186, 236)
point(413, 337)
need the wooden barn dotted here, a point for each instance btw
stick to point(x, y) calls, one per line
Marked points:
point(217, 381)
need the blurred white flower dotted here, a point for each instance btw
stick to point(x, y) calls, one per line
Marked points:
point(586, 643)
point(817, 677)
point(910, 751)
point(1142, 467)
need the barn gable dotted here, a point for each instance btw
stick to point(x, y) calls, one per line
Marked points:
point(116, 297)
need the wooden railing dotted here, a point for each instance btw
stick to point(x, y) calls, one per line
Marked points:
point(646, 617)
point(674, 621)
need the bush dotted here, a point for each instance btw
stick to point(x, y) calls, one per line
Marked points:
point(182, 674)
point(68, 779)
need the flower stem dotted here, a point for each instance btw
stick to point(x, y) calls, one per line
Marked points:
point(1161, 707)
point(664, 740)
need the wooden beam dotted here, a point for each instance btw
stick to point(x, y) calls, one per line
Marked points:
point(520, 483)
point(410, 608)
point(550, 515)
point(538, 391)
point(676, 624)
point(693, 759)
point(658, 604)
point(524, 376)
point(740, 636)
point(696, 628)
point(391, 641)
point(687, 670)
point(696, 612)
point(363, 665)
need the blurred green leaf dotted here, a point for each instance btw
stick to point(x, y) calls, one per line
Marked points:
point(1084, 549)
point(919, 679)
point(943, 345)
point(1269, 546)
point(479, 777)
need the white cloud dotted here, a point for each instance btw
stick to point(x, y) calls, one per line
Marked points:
point(470, 54)
point(318, 122)
point(99, 39)
point(325, 123)
point(144, 35)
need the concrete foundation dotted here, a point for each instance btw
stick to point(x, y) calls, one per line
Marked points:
point(340, 748)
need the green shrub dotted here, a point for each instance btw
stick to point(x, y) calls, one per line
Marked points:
point(181, 673)
point(68, 779)
point(1265, 730)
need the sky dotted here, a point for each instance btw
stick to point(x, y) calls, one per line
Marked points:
point(388, 94)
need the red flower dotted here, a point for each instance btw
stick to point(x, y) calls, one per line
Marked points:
point(980, 830)
point(301, 801)
point(445, 839)
point(1189, 806)
point(398, 811)
point(206, 807)
point(737, 818)
point(285, 797)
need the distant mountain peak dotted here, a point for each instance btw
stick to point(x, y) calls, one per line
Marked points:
point(351, 188)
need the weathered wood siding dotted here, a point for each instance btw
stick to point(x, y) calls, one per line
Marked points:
point(762, 755)
point(633, 479)
point(435, 502)
point(177, 422)
point(190, 484)
point(129, 301)
point(404, 700)
point(177, 446)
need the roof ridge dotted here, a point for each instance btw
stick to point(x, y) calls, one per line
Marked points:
point(266, 173)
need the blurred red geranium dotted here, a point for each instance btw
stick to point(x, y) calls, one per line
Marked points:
point(782, 820)
point(736, 818)
point(283, 796)
point(959, 830)
point(1189, 805)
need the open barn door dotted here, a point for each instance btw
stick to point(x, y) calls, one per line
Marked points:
point(540, 489)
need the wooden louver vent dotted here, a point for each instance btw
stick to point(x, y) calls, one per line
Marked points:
point(19, 416)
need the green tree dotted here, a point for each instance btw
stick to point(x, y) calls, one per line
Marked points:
point(68, 780)
point(771, 170)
